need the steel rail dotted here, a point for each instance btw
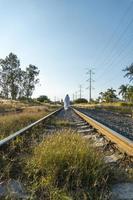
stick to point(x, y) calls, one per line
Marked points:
point(123, 143)
point(23, 130)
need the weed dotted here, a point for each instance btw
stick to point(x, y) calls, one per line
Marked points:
point(66, 164)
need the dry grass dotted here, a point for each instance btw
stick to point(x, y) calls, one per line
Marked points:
point(14, 122)
point(11, 105)
point(61, 122)
point(120, 107)
point(66, 166)
point(63, 166)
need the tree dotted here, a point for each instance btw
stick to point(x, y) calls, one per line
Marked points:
point(123, 91)
point(10, 75)
point(129, 72)
point(14, 82)
point(4, 85)
point(30, 80)
point(109, 95)
point(43, 98)
point(130, 93)
point(22, 91)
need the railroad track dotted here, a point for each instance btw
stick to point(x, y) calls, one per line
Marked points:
point(114, 146)
point(13, 136)
point(122, 143)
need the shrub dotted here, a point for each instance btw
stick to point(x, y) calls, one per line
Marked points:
point(43, 98)
point(66, 166)
point(81, 100)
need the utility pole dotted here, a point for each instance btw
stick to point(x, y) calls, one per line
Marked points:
point(90, 80)
point(75, 95)
point(80, 91)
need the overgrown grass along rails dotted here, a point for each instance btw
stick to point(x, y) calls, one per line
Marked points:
point(14, 122)
point(12, 156)
point(62, 123)
point(14, 105)
point(118, 107)
point(66, 166)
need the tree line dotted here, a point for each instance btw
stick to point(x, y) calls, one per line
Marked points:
point(125, 90)
point(16, 83)
point(110, 95)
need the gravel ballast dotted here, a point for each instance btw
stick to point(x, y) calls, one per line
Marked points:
point(117, 122)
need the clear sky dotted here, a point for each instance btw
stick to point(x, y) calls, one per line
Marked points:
point(64, 37)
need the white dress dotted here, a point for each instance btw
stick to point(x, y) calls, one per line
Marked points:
point(66, 102)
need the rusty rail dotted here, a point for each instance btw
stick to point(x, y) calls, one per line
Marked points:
point(123, 143)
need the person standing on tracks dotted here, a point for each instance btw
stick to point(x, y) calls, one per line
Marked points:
point(67, 102)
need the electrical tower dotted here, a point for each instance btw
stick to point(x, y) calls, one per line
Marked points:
point(80, 91)
point(90, 80)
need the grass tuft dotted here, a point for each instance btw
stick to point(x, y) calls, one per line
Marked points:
point(66, 166)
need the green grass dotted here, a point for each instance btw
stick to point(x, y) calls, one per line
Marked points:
point(66, 166)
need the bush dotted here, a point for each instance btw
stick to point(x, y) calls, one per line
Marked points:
point(126, 104)
point(81, 100)
point(66, 166)
point(43, 98)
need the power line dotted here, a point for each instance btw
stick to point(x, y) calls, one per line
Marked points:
point(116, 58)
point(116, 43)
point(121, 35)
point(117, 27)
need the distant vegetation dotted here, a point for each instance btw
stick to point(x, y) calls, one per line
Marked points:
point(125, 90)
point(43, 98)
point(16, 83)
point(110, 95)
point(81, 100)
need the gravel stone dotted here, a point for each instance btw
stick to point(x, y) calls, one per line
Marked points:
point(122, 191)
point(118, 122)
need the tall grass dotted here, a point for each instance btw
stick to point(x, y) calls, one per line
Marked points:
point(66, 166)
point(14, 122)
point(13, 105)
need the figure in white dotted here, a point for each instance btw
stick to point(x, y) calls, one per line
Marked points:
point(67, 102)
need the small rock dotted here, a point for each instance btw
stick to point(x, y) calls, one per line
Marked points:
point(99, 144)
point(12, 188)
point(2, 189)
point(84, 130)
point(122, 191)
point(84, 126)
point(87, 136)
point(111, 159)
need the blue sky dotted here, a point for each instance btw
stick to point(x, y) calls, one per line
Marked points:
point(64, 37)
